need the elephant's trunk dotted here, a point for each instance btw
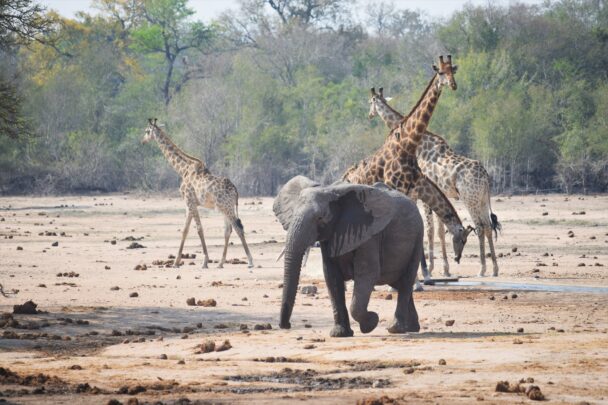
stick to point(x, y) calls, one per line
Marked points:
point(295, 247)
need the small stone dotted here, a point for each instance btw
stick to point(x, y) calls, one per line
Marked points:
point(208, 346)
point(115, 288)
point(224, 346)
point(309, 290)
point(492, 298)
point(134, 295)
point(19, 248)
point(517, 341)
point(514, 249)
point(191, 301)
point(442, 362)
point(262, 326)
point(513, 296)
point(534, 393)
point(207, 303)
point(181, 362)
point(408, 370)
point(308, 347)
point(502, 386)
point(163, 357)
point(55, 244)
point(449, 322)
point(520, 330)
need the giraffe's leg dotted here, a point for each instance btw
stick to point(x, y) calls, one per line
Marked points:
point(446, 264)
point(480, 229)
point(488, 230)
point(201, 235)
point(227, 232)
point(184, 235)
point(430, 232)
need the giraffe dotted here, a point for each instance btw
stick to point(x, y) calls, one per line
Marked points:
point(457, 176)
point(394, 163)
point(200, 187)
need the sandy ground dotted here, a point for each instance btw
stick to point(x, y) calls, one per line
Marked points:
point(95, 342)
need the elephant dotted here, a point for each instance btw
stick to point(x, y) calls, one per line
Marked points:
point(370, 234)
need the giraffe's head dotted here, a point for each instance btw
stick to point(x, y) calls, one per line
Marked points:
point(445, 72)
point(459, 239)
point(375, 101)
point(151, 131)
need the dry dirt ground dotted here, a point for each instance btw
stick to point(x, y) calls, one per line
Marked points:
point(93, 342)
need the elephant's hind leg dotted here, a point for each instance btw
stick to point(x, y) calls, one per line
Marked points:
point(406, 316)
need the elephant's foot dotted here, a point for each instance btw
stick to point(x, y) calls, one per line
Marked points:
point(206, 263)
point(482, 273)
point(495, 272)
point(285, 325)
point(370, 323)
point(402, 327)
point(341, 331)
point(446, 273)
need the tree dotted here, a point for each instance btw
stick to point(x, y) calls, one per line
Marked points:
point(21, 22)
point(169, 32)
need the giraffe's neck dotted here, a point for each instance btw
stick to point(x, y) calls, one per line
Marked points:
point(390, 117)
point(178, 159)
point(430, 194)
point(415, 124)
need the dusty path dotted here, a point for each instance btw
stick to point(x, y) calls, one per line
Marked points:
point(149, 347)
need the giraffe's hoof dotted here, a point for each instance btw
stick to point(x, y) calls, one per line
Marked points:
point(220, 266)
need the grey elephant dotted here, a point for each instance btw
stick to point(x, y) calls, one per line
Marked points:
point(372, 235)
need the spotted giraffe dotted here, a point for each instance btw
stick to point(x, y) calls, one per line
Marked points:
point(457, 176)
point(200, 187)
point(394, 163)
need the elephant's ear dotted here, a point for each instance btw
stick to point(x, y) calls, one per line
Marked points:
point(362, 212)
point(286, 201)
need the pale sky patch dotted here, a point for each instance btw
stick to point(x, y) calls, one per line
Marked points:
point(207, 10)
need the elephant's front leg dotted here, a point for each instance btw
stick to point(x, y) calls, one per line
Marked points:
point(335, 288)
point(367, 272)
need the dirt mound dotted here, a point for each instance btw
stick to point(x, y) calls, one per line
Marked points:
point(28, 308)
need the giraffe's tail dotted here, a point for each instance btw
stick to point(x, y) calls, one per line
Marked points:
point(239, 224)
point(496, 226)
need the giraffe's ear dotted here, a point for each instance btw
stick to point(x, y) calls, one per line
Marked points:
point(454, 68)
point(155, 120)
point(149, 120)
point(435, 68)
point(381, 91)
point(373, 91)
